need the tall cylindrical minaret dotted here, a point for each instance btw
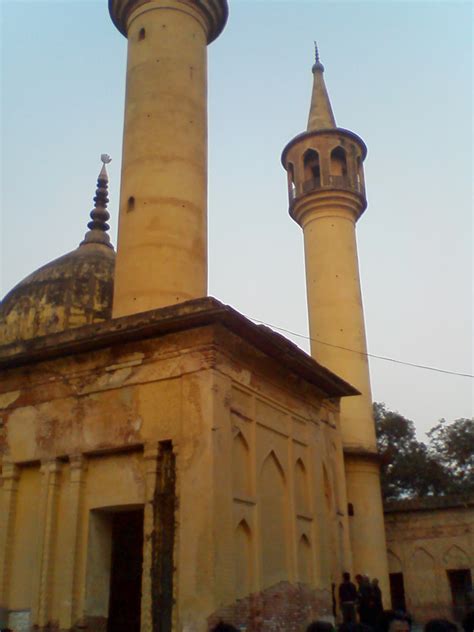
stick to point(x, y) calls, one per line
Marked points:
point(162, 239)
point(327, 197)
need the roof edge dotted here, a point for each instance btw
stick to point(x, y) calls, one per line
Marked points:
point(319, 132)
point(428, 503)
point(158, 322)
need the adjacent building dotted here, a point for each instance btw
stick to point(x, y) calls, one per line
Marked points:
point(165, 462)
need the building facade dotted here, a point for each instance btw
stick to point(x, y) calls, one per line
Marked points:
point(166, 463)
point(431, 556)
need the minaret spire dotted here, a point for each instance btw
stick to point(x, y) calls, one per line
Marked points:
point(98, 227)
point(320, 113)
point(316, 53)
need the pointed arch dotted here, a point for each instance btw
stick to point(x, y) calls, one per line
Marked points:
point(241, 466)
point(291, 174)
point(272, 456)
point(455, 558)
point(272, 504)
point(305, 565)
point(425, 587)
point(327, 488)
point(312, 167)
point(301, 488)
point(360, 175)
point(243, 559)
point(338, 162)
point(394, 562)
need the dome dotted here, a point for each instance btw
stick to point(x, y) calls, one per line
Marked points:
point(73, 290)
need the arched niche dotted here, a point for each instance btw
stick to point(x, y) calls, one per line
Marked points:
point(327, 488)
point(241, 475)
point(455, 558)
point(291, 179)
point(243, 559)
point(301, 488)
point(338, 162)
point(360, 175)
point(311, 166)
point(272, 505)
point(394, 563)
point(305, 566)
point(423, 566)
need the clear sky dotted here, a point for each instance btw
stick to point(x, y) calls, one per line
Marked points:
point(399, 74)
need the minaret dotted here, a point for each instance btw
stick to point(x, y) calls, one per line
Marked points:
point(162, 239)
point(327, 197)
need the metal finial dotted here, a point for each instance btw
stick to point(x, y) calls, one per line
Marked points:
point(98, 227)
point(317, 64)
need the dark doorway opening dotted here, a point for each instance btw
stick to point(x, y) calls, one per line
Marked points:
point(460, 583)
point(126, 572)
point(397, 591)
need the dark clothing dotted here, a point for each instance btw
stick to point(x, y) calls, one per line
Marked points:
point(347, 599)
point(348, 609)
point(347, 592)
point(367, 612)
point(468, 622)
point(377, 594)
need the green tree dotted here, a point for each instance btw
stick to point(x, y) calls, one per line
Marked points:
point(453, 446)
point(409, 468)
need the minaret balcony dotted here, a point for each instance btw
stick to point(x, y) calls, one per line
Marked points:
point(331, 182)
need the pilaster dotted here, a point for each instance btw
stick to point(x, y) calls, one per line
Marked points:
point(150, 459)
point(69, 612)
point(50, 473)
point(10, 477)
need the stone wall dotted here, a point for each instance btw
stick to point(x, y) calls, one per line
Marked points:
point(426, 540)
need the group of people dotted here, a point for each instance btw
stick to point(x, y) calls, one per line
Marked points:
point(366, 599)
point(362, 610)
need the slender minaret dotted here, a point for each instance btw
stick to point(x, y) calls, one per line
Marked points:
point(162, 239)
point(327, 197)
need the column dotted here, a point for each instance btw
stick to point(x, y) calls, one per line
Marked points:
point(69, 612)
point(10, 476)
point(50, 473)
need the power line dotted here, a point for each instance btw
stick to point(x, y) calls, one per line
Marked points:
point(368, 355)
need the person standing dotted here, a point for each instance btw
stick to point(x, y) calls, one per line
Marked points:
point(366, 601)
point(348, 599)
point(377, 597)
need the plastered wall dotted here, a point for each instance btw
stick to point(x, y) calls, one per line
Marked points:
point(424, 545)
point(257, 482)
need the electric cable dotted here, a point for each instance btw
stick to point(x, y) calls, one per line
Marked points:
point(368, 355)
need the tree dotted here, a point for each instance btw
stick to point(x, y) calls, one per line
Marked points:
point(453, 446)
point(409, 467)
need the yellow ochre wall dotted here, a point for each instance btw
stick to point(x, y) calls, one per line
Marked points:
point(424, 543)
point(80, 437)
point(162, 237)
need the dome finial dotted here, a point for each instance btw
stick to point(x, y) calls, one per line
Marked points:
point(98, 227)
point(317, 65)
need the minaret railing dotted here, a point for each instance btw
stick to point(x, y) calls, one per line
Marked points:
point(333, 182)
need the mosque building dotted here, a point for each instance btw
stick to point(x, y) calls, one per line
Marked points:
point(165, 462)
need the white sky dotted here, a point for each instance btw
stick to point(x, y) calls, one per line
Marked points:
point(399, 74)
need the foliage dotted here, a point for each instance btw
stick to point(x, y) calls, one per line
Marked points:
point(453, 445)
point(411, 468)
